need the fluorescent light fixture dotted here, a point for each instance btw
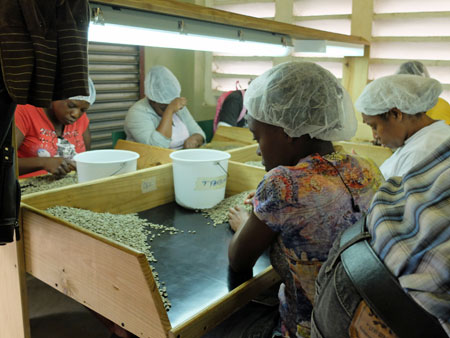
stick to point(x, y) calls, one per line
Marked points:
point(323, 48)
point(310, 46)
point(129, 35)
point(132, 27)
point(344, 49)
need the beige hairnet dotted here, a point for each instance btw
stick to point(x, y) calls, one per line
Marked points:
point(161, 85)
point(302, 98)
point(413, 68)
point(92, 94)
point(410, 94)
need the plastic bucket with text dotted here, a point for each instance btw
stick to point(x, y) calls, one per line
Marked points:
point(199, 177)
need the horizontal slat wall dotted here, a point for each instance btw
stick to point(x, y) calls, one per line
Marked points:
point(229, 72)
point(400, 32)
point(330, 15)
point(115, 72)
point(419, 31)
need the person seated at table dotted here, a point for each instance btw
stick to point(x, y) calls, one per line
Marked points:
point(395, 108)
point(162, 118)
point(408, 232)
point(48, 138)
point(441, 111)
point(230, 110)
point(310, 193)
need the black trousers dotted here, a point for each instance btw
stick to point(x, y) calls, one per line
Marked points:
point(9, 186)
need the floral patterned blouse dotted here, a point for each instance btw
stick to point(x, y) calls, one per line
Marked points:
point(308, 205)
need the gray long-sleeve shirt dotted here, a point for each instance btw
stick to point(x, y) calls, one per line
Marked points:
point(142, 120)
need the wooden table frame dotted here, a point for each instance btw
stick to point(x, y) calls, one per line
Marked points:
point(85, 266)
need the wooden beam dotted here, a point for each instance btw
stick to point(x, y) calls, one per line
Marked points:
point(192, 11)
point(411, 39)
point(356, 69)
point(355, 74)
point(284, 10)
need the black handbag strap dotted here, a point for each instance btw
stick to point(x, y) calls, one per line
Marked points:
point(381, 290)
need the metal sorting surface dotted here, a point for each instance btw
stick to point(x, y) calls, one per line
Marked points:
point(194, 266)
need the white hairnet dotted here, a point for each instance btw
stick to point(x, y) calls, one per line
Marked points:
point(302, 98)
point(410, 94)
point(413, 68)
point(92, 94)
point(161, 85)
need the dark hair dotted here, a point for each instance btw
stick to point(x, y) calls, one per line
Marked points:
point(385, 115)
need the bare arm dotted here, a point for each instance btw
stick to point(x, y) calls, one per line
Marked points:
point(193, 141)
point(87, 138)
point(165, 125)
point(55, 165)
point(248, 243)
point(58, 166)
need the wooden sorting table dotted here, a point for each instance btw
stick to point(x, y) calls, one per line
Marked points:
point(115, 280)
point(377, 154)
point(149, 156)
point(233, 134)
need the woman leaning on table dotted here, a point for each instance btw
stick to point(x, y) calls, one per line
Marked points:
point(310, 192)
point(162, 118)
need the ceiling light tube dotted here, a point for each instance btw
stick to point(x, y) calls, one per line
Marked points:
point(324, 48)
point(111, 33)
point(132, 27)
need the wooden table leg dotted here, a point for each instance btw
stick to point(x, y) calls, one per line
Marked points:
point(14, 320)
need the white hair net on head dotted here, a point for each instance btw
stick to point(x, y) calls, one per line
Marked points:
point(411, 94)
point(413, 68)
point(302, 98)
point(161, 85)
point(92, 94)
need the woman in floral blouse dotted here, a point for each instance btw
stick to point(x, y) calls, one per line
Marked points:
point(310, 192)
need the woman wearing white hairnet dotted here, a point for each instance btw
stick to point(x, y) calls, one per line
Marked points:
point(162, 118)
point(395, 108)
point(441, 111)
point(310, 192)
point(48, 139)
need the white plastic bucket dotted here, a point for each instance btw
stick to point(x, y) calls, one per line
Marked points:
point(104, 163)
point(199, 177)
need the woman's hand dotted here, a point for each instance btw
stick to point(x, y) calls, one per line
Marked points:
point(176, 104)
point(193, 141)
point(249, 198)
point(58, 166)
point(166, 112)
point(237, 216)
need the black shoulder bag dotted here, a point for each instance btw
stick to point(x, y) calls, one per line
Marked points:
point(381, 290)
